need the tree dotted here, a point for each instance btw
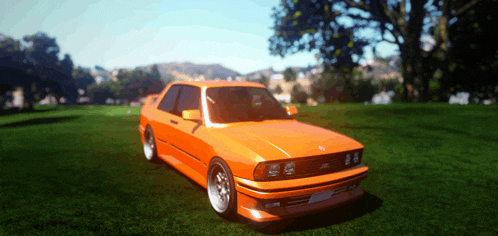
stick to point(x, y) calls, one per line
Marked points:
point(35, 67)
point(82, 77)
point(359, 91)
point(41, 56)
point(130, 86)
point(11, 54)
point(308, 26)
point(12, 68)
point(468, 16)
point(298, 95)
point(289, 75)
point(471, 61)
point(329, 85)
point(68, 84)
point(99, 93)
point(278, 89)
point(317, 25)
point(263, 80)
point(155, 72)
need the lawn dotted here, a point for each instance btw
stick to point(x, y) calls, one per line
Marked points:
point(80, 171)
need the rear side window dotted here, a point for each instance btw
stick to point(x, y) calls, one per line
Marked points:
point(189, 99)
point(168, 102)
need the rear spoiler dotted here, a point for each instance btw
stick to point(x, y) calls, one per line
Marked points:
point(151, 99)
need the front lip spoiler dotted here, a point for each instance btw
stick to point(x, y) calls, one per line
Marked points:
point(299, 188)
point(254, 211)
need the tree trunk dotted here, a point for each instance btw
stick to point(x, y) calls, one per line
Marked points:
point(412, 53)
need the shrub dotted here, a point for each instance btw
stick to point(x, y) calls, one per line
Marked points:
point(298, 95)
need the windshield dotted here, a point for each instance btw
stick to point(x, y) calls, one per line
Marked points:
point(238, 104)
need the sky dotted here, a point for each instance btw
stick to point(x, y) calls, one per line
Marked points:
point(126, 34)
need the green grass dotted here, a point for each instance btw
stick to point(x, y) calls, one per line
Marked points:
point(80, 171)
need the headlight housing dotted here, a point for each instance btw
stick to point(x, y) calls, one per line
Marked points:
point(266, 171)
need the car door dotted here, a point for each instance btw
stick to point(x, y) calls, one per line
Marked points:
point(162, 123)
point(190, 135)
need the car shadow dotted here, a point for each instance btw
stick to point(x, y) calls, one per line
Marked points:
point(39, 121)
point(366, 204)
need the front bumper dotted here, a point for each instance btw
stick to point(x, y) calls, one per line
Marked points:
point(293, 195)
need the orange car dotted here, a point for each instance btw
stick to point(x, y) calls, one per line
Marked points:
point(236, 140)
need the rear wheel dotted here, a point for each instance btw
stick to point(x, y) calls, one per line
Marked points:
point(150, 149)
point(221, 189)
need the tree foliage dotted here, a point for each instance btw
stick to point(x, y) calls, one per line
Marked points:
point(289, 75)
point(42, 71)
point(313, 25)
point(298, 95)
point(472, 61)
point(321, 25)
point(264, 80)
point(155, 72)
point(329, 85)
point(130, 86)
point(82, 77)
point(278, 89)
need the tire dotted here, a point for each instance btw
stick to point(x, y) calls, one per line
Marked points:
point(150, 148)
point(221, 189)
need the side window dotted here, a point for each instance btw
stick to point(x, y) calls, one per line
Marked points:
point(189, 99)
point(168, 102)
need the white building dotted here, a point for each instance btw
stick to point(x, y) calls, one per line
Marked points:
point(277, 76)
point(284, 97)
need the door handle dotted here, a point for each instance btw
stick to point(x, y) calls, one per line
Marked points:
point(174, 122)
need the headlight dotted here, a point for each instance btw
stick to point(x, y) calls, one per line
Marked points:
point(274, 170)
point(348, 159)
point(264, 171)
point(356, 157)
point(289, 168)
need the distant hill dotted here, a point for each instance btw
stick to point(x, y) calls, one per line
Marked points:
point(268, 73)
point(377, 68)
point(176, 70)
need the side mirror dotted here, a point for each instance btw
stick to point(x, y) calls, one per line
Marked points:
point(151, 99)
point(194, 115)
point(291, 110)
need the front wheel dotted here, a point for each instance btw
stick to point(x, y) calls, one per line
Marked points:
point(221, 188)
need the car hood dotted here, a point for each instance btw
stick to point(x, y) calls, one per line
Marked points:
point(283, 140)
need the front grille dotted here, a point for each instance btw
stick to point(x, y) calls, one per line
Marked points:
point(325, 165)
point(304, 199)
point(318, 165)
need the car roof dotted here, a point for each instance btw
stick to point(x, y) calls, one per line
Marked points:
point(219, 83)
